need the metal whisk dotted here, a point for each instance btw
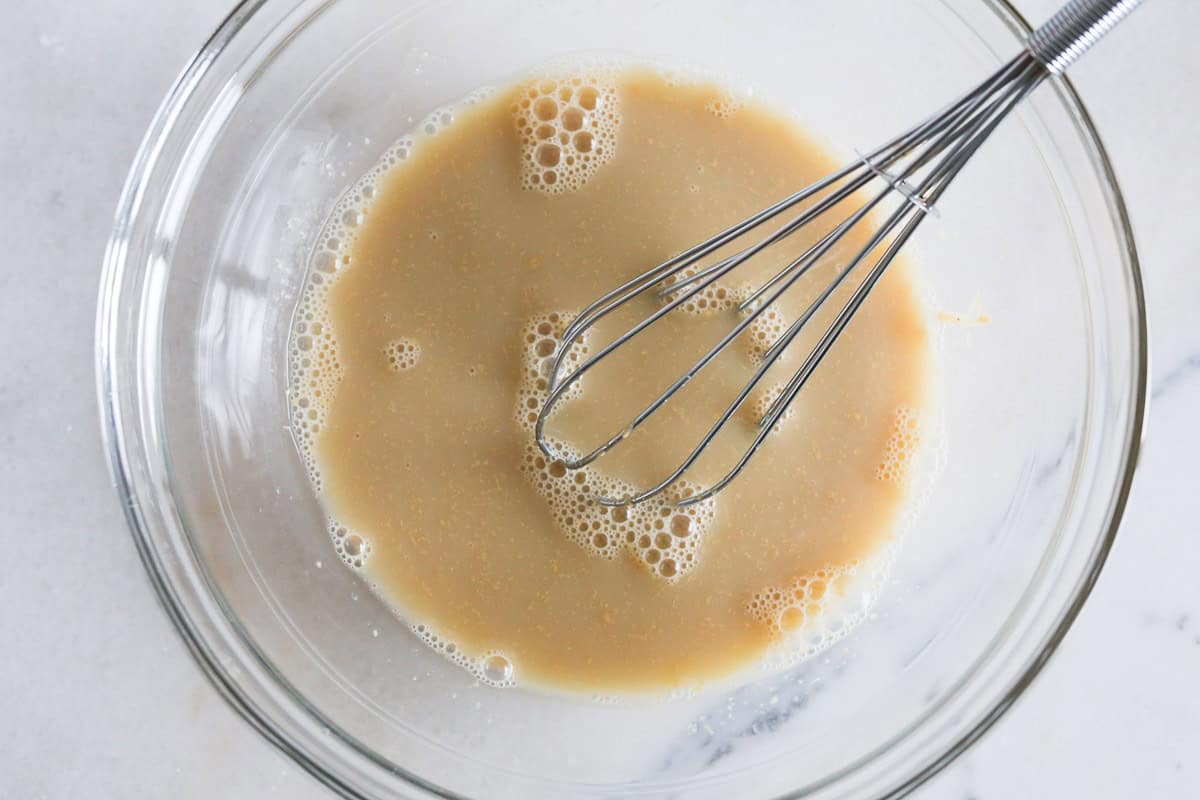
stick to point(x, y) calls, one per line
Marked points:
point(916, 167)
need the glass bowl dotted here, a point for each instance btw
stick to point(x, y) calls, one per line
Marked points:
point(291, 100)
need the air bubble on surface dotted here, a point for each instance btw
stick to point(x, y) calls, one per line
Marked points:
point(351, 546)
point(902, 446)
point(724, 104)
point(716, 298)
point(567, 122)
point(402, 354)
point(764, 331)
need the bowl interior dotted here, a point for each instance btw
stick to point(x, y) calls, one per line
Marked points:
point(1039, 409)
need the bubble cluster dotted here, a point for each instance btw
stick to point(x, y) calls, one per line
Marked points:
point(352, 547)
point(570, 495)
point(712, 299)
point(902, 446)
point(764, 331)
point(314, 361)
point(568, 128)
point(491, 668)
point(662, 537)
point(812, 612)
point(724, 105)
point(402, 354)
point(665, 537)
point(541, 338)
point(788, 608)
point(441, 118)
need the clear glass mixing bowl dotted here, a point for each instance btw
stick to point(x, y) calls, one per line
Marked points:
point(292, 99)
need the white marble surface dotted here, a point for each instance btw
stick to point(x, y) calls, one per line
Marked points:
point(98, 695)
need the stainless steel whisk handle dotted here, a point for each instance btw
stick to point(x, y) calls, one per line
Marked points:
point(1078, 25)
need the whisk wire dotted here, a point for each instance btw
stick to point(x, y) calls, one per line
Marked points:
point(916, 167)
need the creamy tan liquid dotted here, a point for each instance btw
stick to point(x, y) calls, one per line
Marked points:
point(467, 261)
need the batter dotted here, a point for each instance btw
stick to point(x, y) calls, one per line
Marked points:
point(419, 362)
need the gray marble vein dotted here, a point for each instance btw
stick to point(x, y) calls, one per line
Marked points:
point(1181, 374)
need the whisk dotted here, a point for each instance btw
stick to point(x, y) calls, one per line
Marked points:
point(916, 168)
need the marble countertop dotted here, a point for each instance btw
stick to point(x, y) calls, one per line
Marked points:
point(102, 700)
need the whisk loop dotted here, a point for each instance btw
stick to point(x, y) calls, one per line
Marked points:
point(915, 169)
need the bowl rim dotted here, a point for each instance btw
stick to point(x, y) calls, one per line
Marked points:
point(107, 381)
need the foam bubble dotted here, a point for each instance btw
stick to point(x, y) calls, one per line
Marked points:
point(496, 669)
point(712, 299)
point(788, 608)
point(567, 122)
point(402, 354)
point(814, 611)
point(724, 105)
point(902, 446)
point(315, 363)
point(352, 547)
point(766, 328)
point(542, 337)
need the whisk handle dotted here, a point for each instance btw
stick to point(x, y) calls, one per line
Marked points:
point(1071, 32)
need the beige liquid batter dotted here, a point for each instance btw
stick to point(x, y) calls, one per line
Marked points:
point(419, 368)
